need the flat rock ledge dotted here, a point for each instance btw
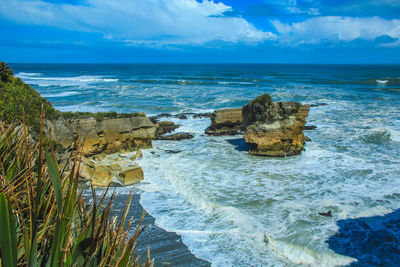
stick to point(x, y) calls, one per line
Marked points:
point(108, 135)
point(274, 129)
point(225, 122)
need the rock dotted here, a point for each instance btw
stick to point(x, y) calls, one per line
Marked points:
point(165, 127)
point(156, 118)
point(177, 137)
point(107, 135)
point(274, 128)
point(139, 154)
point(318, 105)
point(225, 122)
point(309, 127)
point(202, 115)
point(86, 172)
point(326, 214)
point(99, 157)
point(87, 161)
point(181, 117)
point(131, 176)
point(101, 176)
point(115, 167)
point(173, 151)
point(93, 144)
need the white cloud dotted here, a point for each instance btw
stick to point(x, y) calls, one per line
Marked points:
point(333, 28)
point(147, 22)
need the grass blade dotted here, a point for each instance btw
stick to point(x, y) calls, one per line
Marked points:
point(8, 242)
point(55, 178)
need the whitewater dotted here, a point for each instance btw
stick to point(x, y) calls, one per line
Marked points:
point(234, 209)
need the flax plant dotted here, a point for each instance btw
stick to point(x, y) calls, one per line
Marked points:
point(44, 220)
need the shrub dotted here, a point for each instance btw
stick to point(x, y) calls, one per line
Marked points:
point(19, 100)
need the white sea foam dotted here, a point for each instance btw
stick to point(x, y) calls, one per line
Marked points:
point(382, 82)
point(304, 255)
point(224, 202)
point(230, 199)
point(394, 134)
point(81, 108)
point(27, 74)
point(66, 81)
point(62, 94)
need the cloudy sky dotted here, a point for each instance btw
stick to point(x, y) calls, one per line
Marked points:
point(259, 31)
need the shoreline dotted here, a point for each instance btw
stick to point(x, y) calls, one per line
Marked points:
point(165, 247)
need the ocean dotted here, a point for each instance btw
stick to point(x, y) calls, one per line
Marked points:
point(235, 209)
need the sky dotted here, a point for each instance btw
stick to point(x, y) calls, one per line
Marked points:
point(202, 31)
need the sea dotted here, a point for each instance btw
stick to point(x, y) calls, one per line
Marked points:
point(236, 209)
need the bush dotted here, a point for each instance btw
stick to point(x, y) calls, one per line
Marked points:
point(19, 100)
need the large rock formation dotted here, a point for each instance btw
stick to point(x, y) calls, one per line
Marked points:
point(225, 122)
point(108, 135)
point(274, 128)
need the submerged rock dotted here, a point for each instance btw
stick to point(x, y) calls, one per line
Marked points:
point(274, 128)
point(177, 136)
point(309, 127)
point(173, 151)
point(225, 122)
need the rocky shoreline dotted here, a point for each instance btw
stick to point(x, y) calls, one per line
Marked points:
point(269, 128)
point(167, 248)
point(111, 144)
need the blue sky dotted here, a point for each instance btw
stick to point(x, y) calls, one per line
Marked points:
point(221, 31)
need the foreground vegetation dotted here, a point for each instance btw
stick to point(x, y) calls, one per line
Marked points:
point(44, 220)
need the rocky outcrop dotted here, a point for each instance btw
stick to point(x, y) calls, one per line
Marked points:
point(225, 122)
point(165, 127)
point(274, 128)
point(177, 137)
point(108, 135)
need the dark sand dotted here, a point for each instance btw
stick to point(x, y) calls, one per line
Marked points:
point(165, 247)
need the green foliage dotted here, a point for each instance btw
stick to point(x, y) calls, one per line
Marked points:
point(43, 218)
point(8, 243)
point(5, 72)
point(19, 100)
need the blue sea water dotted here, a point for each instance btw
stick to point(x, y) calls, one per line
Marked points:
point(234, 209)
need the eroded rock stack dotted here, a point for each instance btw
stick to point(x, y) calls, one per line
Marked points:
point(225, 122)
point(274, 128)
